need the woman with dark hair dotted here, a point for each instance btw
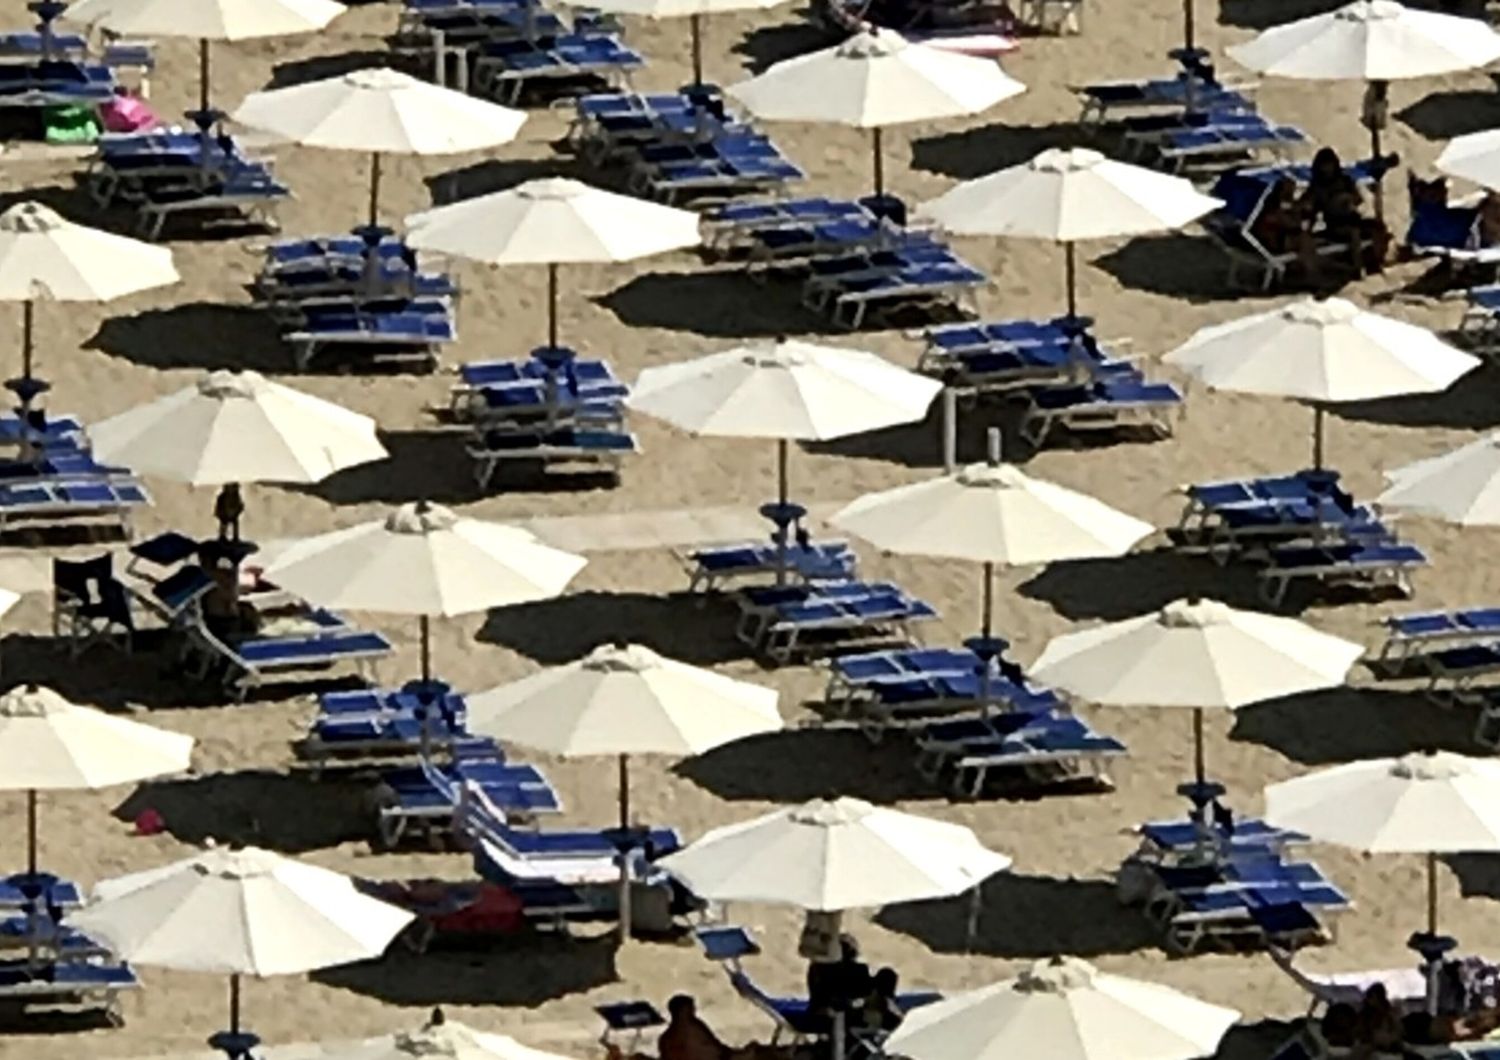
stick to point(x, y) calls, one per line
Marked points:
point(1333, 200)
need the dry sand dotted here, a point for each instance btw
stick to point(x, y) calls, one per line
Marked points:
point(1059, 898)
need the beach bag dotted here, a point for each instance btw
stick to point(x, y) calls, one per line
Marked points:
point(127, 114)
point(70, 125)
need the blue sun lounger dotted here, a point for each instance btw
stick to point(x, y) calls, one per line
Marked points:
point(1234, 916)
point(1368, 565)
point(54, 502)
point(389, 724)
point(1120, 399)
point(1226, 143)
point(618, 125)
point(505, 68)
point(735, 225)
point(1244, 835)
point(593, 449)
point(583, 373)
point(851, 672)
point(1050, 750)
point(1208, 502)
point(1480, 325)
point(406, 334)
point(29, 45)
point(712, 568)
point(1411, 636)
point(19, 889)
point(1105, 98)
point(244, 196)
point(799, 628)
point(487, 389)
point(48, 432)
point(916, 702)
point(55, 82)
point(1247, 532)
point(43, 938)
point(924, 280)
point(758, 604)
point(419, 802)
point(249, 664)
point(948, 341)
point(1453, 671)
point(737, 172)
point(78, 984)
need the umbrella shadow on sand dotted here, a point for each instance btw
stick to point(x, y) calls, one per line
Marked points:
point(498, 174)
point(257, 808)
point(797, 765)
point(320, 67)
point(1027, 917)
point(920, 444)
point(194, 336)
point(1478, 874)
point(527, 971)
point(721, 304)
point(1467, 405)
point(1444, 115)
point(1345, 724)
point(131, 679)
point(553, 632)
point(1255, 14)
point(1134, 584)
point(988, 148)
point(766, 46)
point(1176, 265)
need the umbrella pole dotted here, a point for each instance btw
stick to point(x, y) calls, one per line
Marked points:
point(234, 1003)
point(879, 161)
point(1432, 917)
point(551, 306)
point(1188, 25)
point(1070, 271)
point(989, 601)
point(625, 910)
point(1199, 770)
point(28, 320)
point(31, 832)
point(203, 74)
point(1317, 437)
point(426, 626)
point(782, 527)
point(1376, 102)
point(695, 24)
point(374, 188)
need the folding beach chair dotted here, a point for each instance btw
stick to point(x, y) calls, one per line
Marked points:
point(504, 69)
point(90, 605)
point(1254, 916)
point(49, 503)
point(712, 568)
point(390, 724)
point(413, 333)
point(851, 673)
point(798, 629)
point(418, 802)
point(1103, 100)
point(752, 166)
point(1413, 635)
point(917, 702)
point(735, 226)
point(251, 663)
point(1055, 750)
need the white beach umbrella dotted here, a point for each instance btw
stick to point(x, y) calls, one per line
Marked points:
point(1475, 158)
point(1377, 41)
point(239, 912)
point(231, 428)
point(786, 390)
point(994, 514)
point(876, 79)
point(693, 10)
point(424, 560)
point(1432, 803)
point(553, 221)
point(380, 111)
point(442, 1039)
point(44, 256)
point(624, 700)
point(1065, 1009)
point(50, 744)
point(205, 21)
point(828, 856)
point(1067, 196)
point(1323, 352)
point(1462, 486)
point(1197, 654)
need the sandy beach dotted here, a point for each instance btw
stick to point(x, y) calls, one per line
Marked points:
point(1059, 898)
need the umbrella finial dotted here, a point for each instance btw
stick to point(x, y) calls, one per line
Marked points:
point(1427, 765)
point(1055, 975)
point(224, 385)
point(30, 217)
point(421, 517)
point(437, 1019)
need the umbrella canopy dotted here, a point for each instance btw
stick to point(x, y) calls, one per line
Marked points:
point(380, 111)
point(1370, 40)
point(1435, 803)
point(553, 221)
point(239, 912)
point(1063, 1008)
point(50, 744)
point(442, 1038)
point(1199, 654)
point(1475, 157)
point(996, 515)
point(624, 700)
point(206, 20)
point(834, 855)
point(1321, 351)
point(233, 427)
point(693, 10)
point(424, 560)
point(876, 79)
point(1069, 195)
point(44, 256)
point(786, 390)
point(1460, 487)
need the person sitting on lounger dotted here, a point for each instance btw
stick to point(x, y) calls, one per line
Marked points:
point(1278, 226)
point(837, 986)
point(878, 1012)
point(687, 1037)
point(1332, 200)
point(1377, 1027)
point(1487, 222)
